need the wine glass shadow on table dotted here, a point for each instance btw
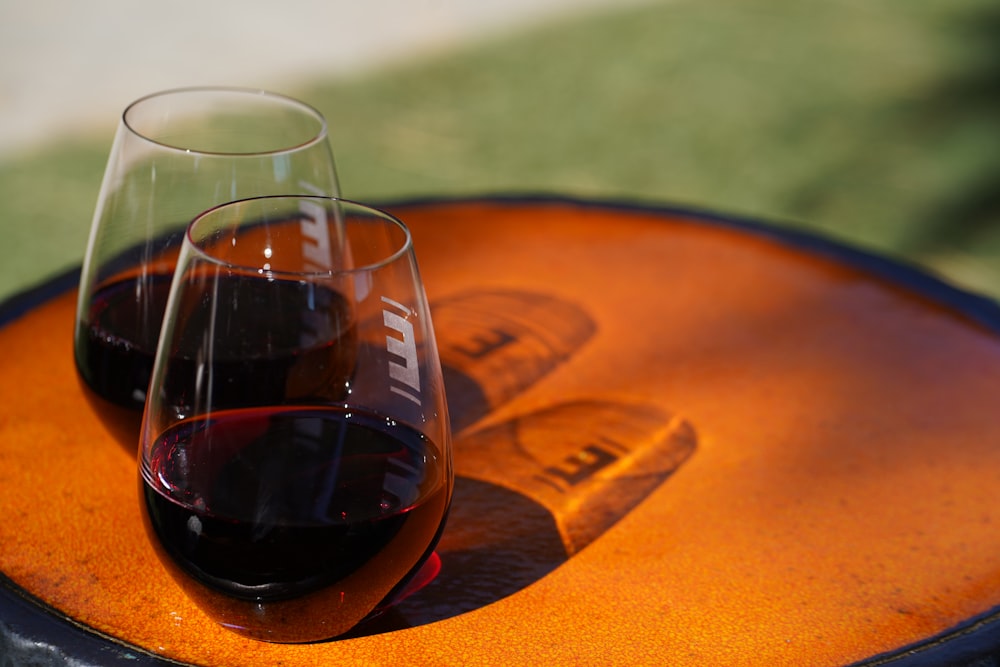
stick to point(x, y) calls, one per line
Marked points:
point(534, 490)
point(175, 154)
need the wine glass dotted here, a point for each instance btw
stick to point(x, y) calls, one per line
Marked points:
point(176, 154)
point(295, 451)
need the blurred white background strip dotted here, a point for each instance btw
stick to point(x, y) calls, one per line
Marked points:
point(67, 66)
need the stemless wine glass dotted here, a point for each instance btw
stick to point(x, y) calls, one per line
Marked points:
point(295, 457)
point(176, 154)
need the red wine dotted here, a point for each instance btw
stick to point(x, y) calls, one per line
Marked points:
point(292, 524)
point(115, 348)
point(279, 340)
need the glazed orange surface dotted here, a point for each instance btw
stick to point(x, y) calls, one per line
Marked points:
point(840, 502)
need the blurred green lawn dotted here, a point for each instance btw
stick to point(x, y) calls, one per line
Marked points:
point(873, 122)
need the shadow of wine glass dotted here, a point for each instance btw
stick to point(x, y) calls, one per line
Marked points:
point(535, 490)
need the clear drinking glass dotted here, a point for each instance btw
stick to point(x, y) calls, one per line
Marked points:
point(176, 154)
point(295, 457)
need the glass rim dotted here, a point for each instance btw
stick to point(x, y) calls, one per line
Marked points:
point(404, 248)
point(319, 136)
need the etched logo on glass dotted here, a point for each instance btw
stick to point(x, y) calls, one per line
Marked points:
point(403, 370)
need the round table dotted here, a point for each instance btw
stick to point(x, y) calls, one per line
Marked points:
point(679, 439)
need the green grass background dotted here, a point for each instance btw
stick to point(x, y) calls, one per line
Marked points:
point(875, 122)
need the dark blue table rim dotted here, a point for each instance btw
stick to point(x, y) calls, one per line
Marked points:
point(43, 634)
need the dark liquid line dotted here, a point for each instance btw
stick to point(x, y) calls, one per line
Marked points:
point(293, 524)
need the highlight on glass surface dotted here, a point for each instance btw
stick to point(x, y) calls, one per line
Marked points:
point(176, 154)
point(295, 461)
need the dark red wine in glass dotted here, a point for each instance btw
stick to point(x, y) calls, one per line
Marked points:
point(352, 499)
point(295, 452)
point(176, 154)
point(115, 346)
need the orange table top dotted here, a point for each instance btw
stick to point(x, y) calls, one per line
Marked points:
point(678, 440)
